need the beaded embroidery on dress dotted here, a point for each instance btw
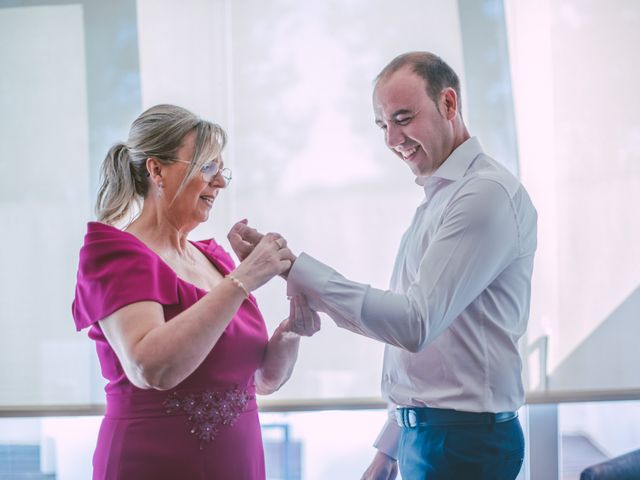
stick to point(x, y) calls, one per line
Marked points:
point(209, 410)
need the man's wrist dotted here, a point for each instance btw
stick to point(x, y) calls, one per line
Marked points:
point(386, 457)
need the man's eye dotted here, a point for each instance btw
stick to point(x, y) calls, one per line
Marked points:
point(382, 126)
point(403, 121)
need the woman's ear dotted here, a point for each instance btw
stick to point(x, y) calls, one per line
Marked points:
point(154, 168)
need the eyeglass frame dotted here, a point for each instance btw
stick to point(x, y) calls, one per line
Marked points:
point(225, 172)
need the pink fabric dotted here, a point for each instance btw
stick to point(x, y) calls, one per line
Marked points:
point(138, 439)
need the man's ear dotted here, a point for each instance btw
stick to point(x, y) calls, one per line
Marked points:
point(449, 103)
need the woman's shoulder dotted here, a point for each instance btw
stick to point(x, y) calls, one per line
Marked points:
point(102, 236)
point(115, 268)
point(105, 243)
point(217, 251)
point(109, 253)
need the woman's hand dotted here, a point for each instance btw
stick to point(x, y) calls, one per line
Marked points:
point(269, 258)
point(243, 239)
point(302, 320)
point(282, 349)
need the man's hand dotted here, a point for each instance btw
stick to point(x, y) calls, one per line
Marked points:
point(302, 320)
point(383, 467)
point(243, 239)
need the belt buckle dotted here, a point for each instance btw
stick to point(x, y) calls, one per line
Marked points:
point(406, 417)
point(412, 418)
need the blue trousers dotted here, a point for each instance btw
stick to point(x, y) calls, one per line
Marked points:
point(462, 452)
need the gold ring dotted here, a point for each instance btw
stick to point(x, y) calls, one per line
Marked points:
point(280, 243)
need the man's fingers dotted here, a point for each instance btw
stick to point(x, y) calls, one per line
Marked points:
point(311, 318)
point(297, 314)
point(292, 309)
point(307, 319)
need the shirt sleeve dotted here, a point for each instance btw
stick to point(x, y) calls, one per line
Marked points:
point(476, 240)
point(389, 438)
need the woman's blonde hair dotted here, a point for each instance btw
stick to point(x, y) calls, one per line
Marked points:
point(158, 132)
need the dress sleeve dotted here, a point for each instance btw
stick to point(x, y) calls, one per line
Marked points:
point(116, 269)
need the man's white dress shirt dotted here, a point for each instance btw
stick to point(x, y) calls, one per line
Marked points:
point(459, 294)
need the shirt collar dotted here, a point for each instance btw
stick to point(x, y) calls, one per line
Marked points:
point(456, 164)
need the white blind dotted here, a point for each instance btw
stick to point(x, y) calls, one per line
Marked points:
point(307, 158)
point(575, 79)
point(290, 82)
point(44, 203)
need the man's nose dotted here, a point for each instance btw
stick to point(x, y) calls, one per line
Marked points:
point(395, 136)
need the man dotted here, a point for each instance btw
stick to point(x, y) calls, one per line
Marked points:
point(460, 290)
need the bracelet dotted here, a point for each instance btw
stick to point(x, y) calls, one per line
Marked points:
point(239, 284)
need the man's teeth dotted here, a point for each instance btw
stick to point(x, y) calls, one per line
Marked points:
point(207, 199)
point(407, 153)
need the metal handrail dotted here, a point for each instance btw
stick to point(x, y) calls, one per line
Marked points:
point(310, 405)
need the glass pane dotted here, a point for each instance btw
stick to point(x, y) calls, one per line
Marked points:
point(298, 446)
point(579, 139)
point(597, 432)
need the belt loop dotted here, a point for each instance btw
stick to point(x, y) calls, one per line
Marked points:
point(399, 417)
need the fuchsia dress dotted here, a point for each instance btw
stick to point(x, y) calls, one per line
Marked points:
point(206, 427)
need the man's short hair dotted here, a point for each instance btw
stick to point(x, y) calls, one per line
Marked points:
point(435, 71)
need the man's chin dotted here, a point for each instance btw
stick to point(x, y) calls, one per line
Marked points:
point(416, 170)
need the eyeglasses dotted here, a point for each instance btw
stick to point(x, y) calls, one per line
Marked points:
point(210, 169)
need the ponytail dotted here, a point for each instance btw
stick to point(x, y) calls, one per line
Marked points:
point(118, 190)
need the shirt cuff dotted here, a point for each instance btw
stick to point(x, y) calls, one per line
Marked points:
point(308, 277)
point(389, 439)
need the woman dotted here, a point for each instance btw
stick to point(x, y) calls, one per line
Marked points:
point(179, 336)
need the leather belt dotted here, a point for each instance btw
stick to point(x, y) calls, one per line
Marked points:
point(410, 417)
